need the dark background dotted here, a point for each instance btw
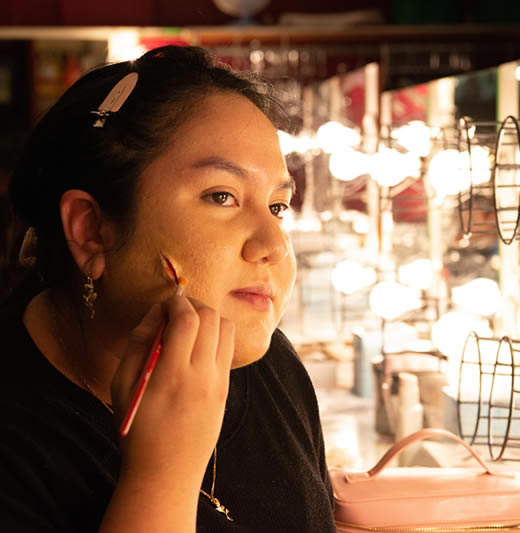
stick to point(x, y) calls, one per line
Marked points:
point(205, 13)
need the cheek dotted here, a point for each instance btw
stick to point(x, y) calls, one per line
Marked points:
point(204, 266)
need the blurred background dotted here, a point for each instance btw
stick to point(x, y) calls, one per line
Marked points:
point(404, 143)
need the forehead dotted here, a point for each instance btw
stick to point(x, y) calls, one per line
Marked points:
point(228, 124)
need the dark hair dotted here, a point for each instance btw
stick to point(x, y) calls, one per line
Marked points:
point(65, 151)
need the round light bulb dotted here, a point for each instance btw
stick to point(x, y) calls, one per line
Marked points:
point(447, 174)
point(348, 164)
point(480, 164)
point(349, 276)
point(389, 167)
point(287, 144)
point(480, 296)
point(415, 137)
point(389, 299)
point(450, 332)
point(417, 274)
point(333, 136)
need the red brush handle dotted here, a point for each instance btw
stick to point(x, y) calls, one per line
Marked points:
point(144, 378)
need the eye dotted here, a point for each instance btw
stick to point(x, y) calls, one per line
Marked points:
point(223, 198)
point(278, 209)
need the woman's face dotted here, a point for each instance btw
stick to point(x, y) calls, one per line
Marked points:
point(212, 204)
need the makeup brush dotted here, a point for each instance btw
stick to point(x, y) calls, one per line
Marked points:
point(151, 360)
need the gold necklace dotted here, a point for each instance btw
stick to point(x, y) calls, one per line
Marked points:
point(71, 361)
point(211, 496)
point(218, 506)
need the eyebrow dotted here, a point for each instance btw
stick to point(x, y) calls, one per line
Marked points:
point(228, 166)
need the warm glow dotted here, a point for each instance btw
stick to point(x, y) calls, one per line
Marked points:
point(348, 164)
point(389, 299)
point(449, 333)
point(480, 165)
point(480, 296)
point(307, 221)
point(295, 143)
point(387, 221)
point(480, 355)
point(447, 174)
point(304, 143)
point(390, 167)
point(333, 137)
point(417, 274)
point(361, 224)
point(415, 137)
point(326, 215)
point(124, 46)
point(288, 221)
point(350, 276)
point(286, 142)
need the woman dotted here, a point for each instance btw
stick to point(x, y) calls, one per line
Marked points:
point(179, 174)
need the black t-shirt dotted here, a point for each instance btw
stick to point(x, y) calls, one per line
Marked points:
point(59, 456)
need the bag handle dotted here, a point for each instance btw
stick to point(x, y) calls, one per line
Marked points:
point(407, 441)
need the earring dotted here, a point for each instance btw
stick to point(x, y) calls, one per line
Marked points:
point(89, 298)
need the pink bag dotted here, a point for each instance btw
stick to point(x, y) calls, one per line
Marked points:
point(423, 499)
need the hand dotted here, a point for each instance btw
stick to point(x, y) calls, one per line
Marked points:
point(179, 419)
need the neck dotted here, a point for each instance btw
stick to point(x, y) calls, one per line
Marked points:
point(87, 351)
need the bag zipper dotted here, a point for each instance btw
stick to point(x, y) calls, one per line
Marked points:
point(433, 529)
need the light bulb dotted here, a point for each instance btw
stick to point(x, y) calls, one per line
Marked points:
point(447, 174)
point(304, 143)
point(415, 137)
point(288, 221)
point(333, 136)
point(348, 164)
point(417, 274)
point(287, 144)
point(480, 164)
point(480, 296)
point(350, 276)
point(308, 221)
point(123, 45)
point(450, 332)
point(389, 299)
point(389, 167)
point(361, 224)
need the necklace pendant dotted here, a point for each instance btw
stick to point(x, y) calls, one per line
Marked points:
point(221, 509)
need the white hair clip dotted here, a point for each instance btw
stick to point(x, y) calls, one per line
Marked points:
point(115, 98)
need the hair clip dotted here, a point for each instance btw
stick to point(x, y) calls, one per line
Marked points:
point(115, 98)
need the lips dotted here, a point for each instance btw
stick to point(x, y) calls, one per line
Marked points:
point(259, 297)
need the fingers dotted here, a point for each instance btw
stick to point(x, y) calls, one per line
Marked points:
point(195, 335)
point(179, 336)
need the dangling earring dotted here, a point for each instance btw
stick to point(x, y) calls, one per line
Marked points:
point(89, 298)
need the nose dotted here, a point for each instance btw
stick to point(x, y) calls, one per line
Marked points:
point(268, 243)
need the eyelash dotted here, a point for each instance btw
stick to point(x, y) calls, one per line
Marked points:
point(219, 194)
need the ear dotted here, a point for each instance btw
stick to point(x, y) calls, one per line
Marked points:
point(88, 233)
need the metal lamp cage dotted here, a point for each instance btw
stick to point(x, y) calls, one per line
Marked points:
point(491, 205)
point(489, 414)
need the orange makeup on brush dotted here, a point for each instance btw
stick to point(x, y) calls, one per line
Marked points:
point(151, 360)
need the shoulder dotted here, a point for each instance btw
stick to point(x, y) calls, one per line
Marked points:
point(284, 361)
point(280, 344)
point(283, 356)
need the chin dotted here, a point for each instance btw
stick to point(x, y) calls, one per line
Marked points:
point(250, 350)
